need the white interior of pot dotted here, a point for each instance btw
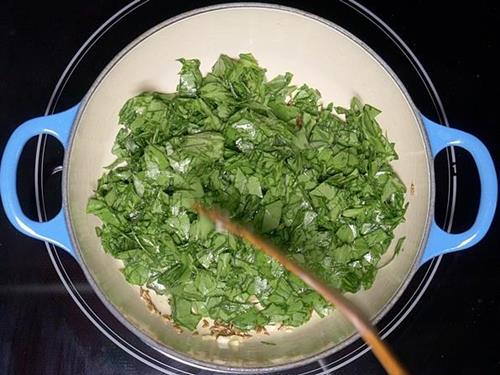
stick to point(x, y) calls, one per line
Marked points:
point(281, 40)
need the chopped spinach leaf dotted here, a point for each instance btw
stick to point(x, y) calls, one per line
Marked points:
point(315, 179)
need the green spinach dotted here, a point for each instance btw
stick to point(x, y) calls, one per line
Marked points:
point(315, 179)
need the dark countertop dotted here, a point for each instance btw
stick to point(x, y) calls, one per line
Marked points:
point(42, 331)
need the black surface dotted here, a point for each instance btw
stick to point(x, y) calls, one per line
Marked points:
point(451, 330)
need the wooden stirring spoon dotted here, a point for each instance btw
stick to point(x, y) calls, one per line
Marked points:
point(357, 318)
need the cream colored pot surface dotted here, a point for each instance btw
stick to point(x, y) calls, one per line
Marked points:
point(317, 53)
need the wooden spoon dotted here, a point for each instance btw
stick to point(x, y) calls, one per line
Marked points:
point(357, 318)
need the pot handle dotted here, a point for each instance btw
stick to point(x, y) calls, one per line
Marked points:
point(439, 241)
point(55, 230)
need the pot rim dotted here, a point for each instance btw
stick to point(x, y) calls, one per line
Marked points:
point(95, 286)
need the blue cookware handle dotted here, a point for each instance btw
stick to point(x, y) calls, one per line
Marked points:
point(54, 230)
point(439, 241)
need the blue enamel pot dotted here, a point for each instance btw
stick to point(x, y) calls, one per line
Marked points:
point(320, 54)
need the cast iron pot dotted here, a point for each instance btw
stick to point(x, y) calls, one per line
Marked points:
point(318, 53)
